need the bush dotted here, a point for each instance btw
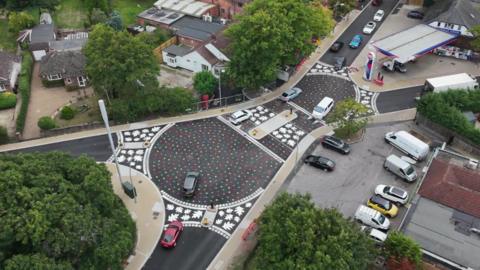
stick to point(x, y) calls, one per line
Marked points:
point(56, 83)
point(204, 83)
point(7, 100)
point(67, 113)
point(24, 89)
point(3, 135)
point(46, 123)
point(446, 109)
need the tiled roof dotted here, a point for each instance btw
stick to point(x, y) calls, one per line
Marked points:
point(67, 63)
point(459, 12)
point(6, 64)
point(454, 186)
point(207, 55)
point(196, 28)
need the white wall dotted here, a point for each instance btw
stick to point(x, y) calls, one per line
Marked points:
point(192, 61)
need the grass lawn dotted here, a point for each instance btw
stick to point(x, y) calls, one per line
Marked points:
point(83, 116)
point(7, 39)
point(130, 8)
point(70, 14)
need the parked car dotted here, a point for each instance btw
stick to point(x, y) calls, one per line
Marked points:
point(378, 17)
point(376, 235)
point(409, 144)
point(238, 117)
point(190, 183)
point(320, 162)
point(171, 234)
point(415, 14)
point(393, 194)
point(383, 206)
point(336, 144)
point(337, 46)
point(372, 218)
point(369, 27)
point(323, 108)
point(400, 168)
point(376, 2)
point(340, 62)
point(290, 94)
point(356, 41)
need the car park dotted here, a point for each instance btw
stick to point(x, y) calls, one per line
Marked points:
point(409, 144)
point(415, 14)
point(320, 162)
point(400, 167)
point(356, 41)
point(376, 235)
point(369, 27)
point(337, 46)
point(290, 94)
point(336, 144)
point(238, 117)
point(383, 206)
point(393, 194)
point(323, 108)
point(171, 234)
point(190, 183)
point(372, 218)
point(378, 17)
point(340, 63)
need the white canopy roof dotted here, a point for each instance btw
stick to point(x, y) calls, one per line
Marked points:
point(188, 7)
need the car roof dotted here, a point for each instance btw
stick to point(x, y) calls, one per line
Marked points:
point(238, 113)
point(380, 11)
point(333, 139)
point(379, 200)
point(324, 102)
point(397, 191)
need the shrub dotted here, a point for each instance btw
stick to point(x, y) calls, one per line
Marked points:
point(46, 123)
point(7, 100)
point(67, 113)
point(24, 89)
point(56, 83)
point(204, 83)
point(3, 135)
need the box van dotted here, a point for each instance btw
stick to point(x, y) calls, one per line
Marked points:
point(372, 218)
point(400, 167)
point(408, 144)
point(323, 108)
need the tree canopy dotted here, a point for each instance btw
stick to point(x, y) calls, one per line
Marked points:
point(294, 234)
point(399, 247)
point(60, 212)
point(19, 21)
point(476, 41)
point(348, 117)
point(204, 83)
point(272, 33)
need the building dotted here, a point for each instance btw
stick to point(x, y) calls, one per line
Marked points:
point(68, 66)
point(39, 38)
point(10, 65)
point(455, 16)
point(226, 9)
point(444, 217)
point(194, 32)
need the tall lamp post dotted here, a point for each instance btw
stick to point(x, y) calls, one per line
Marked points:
point(103, 111)
point(220, 71)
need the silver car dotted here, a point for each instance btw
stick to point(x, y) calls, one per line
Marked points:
point(369, 27)
point(238, 117)
point(290, 94)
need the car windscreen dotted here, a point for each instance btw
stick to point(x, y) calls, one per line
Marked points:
point(285, 94)
point(410, 170)
point(318, 109)
point(381, 219)
point(167, 238)
point(336, 142)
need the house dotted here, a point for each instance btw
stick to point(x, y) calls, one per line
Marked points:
point(194, 32)
point(226, 9)
point(10, 65)
point(68, 66)
point(38, 39)
point(444, 217)
point(456, 16)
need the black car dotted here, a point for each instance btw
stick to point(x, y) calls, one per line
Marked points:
point(415, 14)
point(190, 184)
point(320, 162)
point(336, 46)
point(336, 144)
point(340, 62)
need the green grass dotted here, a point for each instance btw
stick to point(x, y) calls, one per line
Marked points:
point(7, 39)
point(70, 14)
point(129, 9)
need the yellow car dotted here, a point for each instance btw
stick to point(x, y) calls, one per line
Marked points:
point(383, 206)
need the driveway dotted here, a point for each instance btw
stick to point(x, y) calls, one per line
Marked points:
point(355, 176)
point(45, 102)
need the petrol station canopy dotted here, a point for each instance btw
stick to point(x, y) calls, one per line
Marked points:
point(413, 42)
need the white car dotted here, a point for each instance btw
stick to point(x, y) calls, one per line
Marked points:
point(376, 235)
point(369, 27)
point(323, 108)
point(391, 193)
point(378, 17)
point(238, 117)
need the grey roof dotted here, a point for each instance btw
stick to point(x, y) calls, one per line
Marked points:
point(460, 12)
point(431, 227)
point(42, 33)
point(196, 28)
point(163, 16)
point(67, 63)
point(178, 50)
point(6, 64)
point(68, 44)
point(45, 18)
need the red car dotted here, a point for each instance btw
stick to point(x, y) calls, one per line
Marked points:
point(171, 234)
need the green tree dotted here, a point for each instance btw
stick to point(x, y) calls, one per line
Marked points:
point(97, 16)
point(154, 39)
point(399, 246)
point(341, 7)
point(270, 34)
point(103, 5)
point(46, 123)
point(18, 21)
point(115, 21)
point(67, 113)
point(294, 234)
point(3, 135)
point(476, 41)
point(60, 212)
point(118, 64)
point(204, 83)
point(348, 117)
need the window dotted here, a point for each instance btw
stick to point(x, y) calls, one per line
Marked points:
point(172, 60)
point(240, 4)
point(54, 77)
point(204, 67)
point(81, 81)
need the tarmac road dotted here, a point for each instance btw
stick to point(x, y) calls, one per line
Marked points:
point(397, 100)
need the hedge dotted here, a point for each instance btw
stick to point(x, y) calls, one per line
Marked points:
point(24, 88)
point(7, 100)
point(3, 135)
point(56, 83)
point(446, 109)
point(67, 113)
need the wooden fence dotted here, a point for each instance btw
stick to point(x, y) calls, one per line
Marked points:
point(158, 51)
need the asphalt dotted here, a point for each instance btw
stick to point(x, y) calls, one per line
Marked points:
point(96, 147)
point(195, 250)
point(357, 28)
point(397, 100)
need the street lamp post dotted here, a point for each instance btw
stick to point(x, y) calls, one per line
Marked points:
point(103, 111)
point(220, 71)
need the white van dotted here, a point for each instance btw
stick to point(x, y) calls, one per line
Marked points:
point(323, 108)
point(408, 144)
point(400, 167)
point(372, 218)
